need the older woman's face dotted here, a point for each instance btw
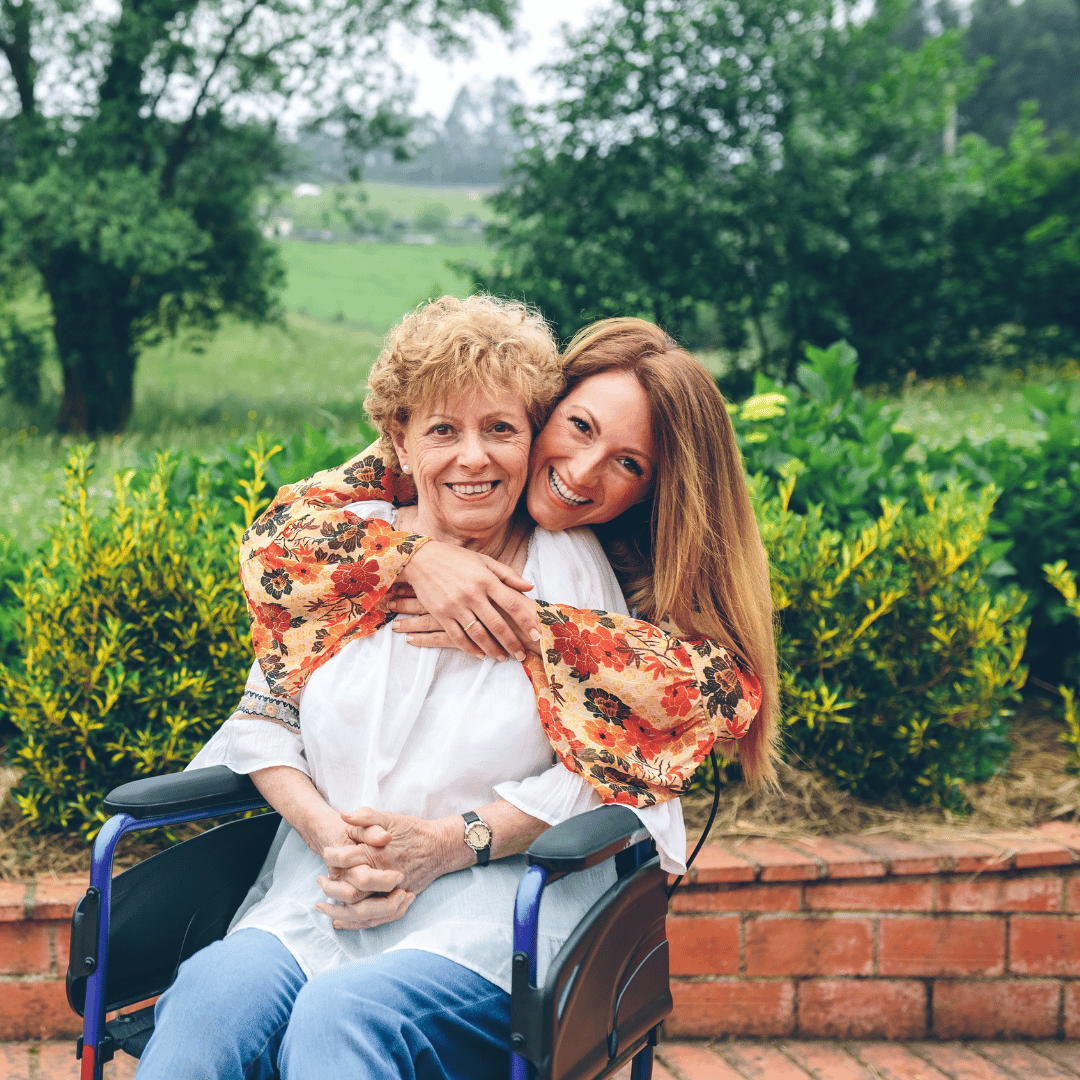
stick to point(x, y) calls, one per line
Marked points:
point(595, 457)
point(469, 456)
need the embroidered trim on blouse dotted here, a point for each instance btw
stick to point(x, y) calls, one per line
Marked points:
point(259, 706)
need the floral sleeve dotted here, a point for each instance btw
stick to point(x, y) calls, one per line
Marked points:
point(633, 708)
point(315, 575)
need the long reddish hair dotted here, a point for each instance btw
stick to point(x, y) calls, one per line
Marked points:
point(692, 554)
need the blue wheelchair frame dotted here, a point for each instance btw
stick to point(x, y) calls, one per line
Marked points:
point(608, 832)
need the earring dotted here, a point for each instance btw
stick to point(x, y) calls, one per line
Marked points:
point(405, 469)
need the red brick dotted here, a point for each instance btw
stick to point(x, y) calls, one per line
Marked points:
point(1072, 1012)
point(775, 862)
point(961, 1062)
point(870, 896)
point(823, 946)
point(36, 1009)
point(1044, 945)
point(1032, 850)
point(658, 1071)
point(1072, 893)
point(1001, 894)
point(14, 1061)
point(56, 898)
point(704, 945)
point(57, 1061)
point(25, 948)
point(729, 1007)
point(1022, 1061)
point(841, 860)
point(945, 945)
point(698, 1063)
point(776, 896)
point(1066, 1054)
point(862, 1009)
point(1010, 1009)
point(1063, 833)
point(12, 901)
point(892, 1062)
point(715, 864)
point(761, 1062)
point(904, 856)
point(973, 856)
point(823, 1060)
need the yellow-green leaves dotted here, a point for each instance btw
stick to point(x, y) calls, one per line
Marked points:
point(897, 652)
point(135, 643)
point(1064, 580)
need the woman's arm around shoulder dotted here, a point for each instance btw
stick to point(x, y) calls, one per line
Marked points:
point(634, 707)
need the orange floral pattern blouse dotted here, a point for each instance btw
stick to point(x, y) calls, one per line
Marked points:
point(633, 708)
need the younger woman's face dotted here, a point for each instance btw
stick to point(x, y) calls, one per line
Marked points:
point(595, 457)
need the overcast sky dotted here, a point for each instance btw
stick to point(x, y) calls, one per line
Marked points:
point(437, 82)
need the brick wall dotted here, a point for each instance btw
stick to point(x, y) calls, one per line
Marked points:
point(861, 938)
point(34, 936)
point(874, 938)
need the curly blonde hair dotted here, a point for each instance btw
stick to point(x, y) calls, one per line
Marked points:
point(481, 343)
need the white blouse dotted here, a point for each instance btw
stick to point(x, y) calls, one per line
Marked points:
point(431, 733)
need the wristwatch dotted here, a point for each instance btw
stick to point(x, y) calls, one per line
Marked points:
point(478, 837)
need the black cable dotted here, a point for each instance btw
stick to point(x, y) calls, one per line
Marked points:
point(708, 824)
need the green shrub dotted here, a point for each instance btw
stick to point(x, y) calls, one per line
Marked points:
point(228, 469)
point(853, 456)
point(1037, 517)
point(897, 655)
point(135, 641)
point(1059, 577)
point(13, 561)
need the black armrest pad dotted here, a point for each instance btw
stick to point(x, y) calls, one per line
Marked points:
point(216, 788)
point(586, 840)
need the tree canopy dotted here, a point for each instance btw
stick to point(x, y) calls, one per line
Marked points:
point(136, 136)
point(786, 166)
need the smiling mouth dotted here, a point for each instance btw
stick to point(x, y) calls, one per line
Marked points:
point(562, 492)
point(474, 489)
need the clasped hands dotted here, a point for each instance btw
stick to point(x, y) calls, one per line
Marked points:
point(376, 866)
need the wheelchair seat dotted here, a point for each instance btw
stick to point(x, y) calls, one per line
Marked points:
point(600, 1005)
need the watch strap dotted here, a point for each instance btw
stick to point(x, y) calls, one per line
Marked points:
point(483, 854)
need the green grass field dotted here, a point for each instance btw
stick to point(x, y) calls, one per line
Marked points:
point(371, 284)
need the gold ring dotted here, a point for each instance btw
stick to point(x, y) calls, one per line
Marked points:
point(473, 623)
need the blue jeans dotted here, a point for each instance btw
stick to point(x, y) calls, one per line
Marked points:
point(241, 1009)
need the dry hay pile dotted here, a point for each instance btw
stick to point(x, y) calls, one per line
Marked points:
point(1035, 789)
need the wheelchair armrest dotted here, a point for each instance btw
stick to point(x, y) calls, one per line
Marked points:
point(585, 840)
point(216, 788)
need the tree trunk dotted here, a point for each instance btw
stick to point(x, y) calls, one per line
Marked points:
point(95, 342)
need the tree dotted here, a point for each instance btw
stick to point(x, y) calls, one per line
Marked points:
point(771, 159)
point(136, 138)
point(1016, 249)
point(1035, 49)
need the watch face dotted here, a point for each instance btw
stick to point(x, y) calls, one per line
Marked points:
point(478, 835)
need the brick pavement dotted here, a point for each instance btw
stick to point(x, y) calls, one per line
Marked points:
point(721, 1061)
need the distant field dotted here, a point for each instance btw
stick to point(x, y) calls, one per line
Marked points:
point(400, 200)
point(370, 284)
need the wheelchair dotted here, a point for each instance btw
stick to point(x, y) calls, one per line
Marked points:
point(600, 1006)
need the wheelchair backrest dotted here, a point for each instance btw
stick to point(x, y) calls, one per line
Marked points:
point(169, 906)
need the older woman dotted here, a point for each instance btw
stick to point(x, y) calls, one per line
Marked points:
point(446, 746)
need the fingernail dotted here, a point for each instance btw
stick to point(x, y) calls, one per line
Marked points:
point(534, 634)
point(519, 656)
